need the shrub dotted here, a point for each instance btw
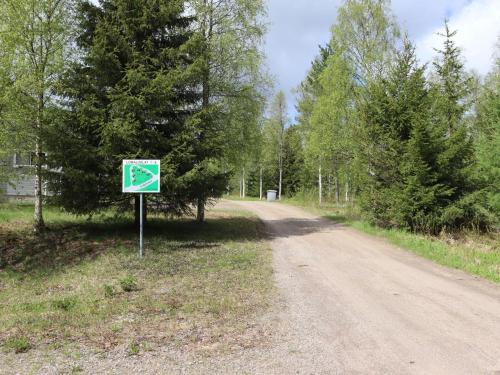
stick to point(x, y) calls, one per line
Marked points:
point(129, 283)
point(64, 304)
point(18, 344)
point(109, 291)
point(134, 348)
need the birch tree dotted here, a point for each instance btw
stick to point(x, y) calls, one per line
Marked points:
point(34, 43)
point(274, 134)
point(362, 43)
point(232, 32)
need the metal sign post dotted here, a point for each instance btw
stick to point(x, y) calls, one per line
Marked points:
point(141, 224)
point(141, 176)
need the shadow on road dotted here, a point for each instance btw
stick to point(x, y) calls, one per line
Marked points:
point(299, 227)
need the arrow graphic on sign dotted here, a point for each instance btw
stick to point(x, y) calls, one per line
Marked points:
point(141, 176)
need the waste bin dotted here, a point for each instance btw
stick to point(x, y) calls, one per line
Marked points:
point(271, 195)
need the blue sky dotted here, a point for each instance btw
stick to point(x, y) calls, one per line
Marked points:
point(297, 27)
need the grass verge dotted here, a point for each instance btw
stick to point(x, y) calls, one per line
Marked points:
point(478, 254)
point(199, 287)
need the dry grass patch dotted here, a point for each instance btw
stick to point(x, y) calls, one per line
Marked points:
point(198, 287)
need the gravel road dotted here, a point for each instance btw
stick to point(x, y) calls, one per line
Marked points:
point(348, 303)
point(362, 306)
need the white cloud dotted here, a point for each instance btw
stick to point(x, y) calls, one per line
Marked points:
point(478, 29)
point(297, 27)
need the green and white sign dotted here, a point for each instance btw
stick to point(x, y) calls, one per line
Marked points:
point(141, 176)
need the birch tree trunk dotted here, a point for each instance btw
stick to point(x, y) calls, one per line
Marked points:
point(320, 185)
point(243, 183)
point(260, 185)
point(329, 187)
point(347, 191)
point(207, 25)
point(279, 187)
point(38, 223)
point(337, 189)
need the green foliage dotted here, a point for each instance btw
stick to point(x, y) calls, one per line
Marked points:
point(65, 304)
point(487, 125)
point(361, 45)
point(420, 156)
point(273, 141)
point(109, 291)
point(464, 204)
point(233, 84)
point(401, 188)
point(293, 161)
point(134, 348)
point(129, 283)
point(133, 95)
point(375, 128)
point(34, 50)
point(365, 32)
point(18, 344)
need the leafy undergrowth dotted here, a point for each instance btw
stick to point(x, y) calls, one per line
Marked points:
point(199, 287)
point(475, 253)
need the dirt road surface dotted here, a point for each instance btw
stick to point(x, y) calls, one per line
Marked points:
point(358, 305)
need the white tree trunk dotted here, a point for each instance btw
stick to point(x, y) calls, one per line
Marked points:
point(320, 186)
point(260, 185)
point(337, 189)
point(279, 187)
point(347, 191)
point(329, 187)
point(243, 183)
point(38, 224)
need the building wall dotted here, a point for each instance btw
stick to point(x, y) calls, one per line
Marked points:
point(23, 185)
point(24, 181)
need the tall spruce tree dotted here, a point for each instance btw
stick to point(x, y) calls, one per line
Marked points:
point(487, 127)
point(463, 206)
point(398, 145)
point(135, 93)
point(293, 161)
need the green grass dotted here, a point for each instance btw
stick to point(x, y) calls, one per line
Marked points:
point(198, 286)
point(22, 212)
point(478, 254)
point(18, 344)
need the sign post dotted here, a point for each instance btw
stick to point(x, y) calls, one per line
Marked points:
point(141, 176)
point(141, 225)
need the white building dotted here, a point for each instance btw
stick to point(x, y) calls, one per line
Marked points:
point(23, 181)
